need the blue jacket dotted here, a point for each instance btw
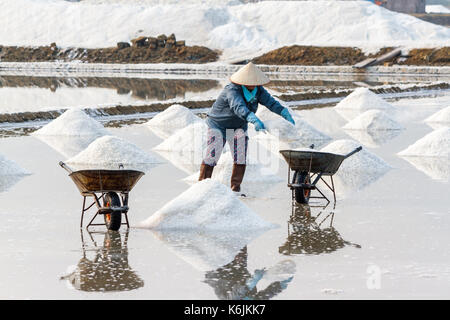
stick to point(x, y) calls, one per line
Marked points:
point(230, 110)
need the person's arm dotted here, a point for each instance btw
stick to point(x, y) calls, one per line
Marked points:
point(237, 104)
point(273, 105)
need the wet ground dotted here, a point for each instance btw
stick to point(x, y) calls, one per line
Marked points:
point(386, 238)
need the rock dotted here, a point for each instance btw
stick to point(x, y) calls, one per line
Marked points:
point(172, 37)
point(180, 43)
point(140, 42)
point(122, 45)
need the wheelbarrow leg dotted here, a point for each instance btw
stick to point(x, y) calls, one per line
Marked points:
point(82, 211)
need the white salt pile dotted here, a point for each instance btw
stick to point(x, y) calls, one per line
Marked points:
point(207, 204)
point(356, 172)
point(206, 250)
point(257, 178)
point(73, 122)
point(434, 144)
point(10, 173)
point(440, 117)
point(363, 99)
point(435, 167)
point(373, 138)
point(171, 120)
point(108, 152)
point(373, 120)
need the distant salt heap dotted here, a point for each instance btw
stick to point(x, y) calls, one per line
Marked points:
point(441, 117)
point(10, 173)
point(357, 171)
point(207, 204)
point(434, 144)
point(171, 120)
point(108, 152)
point(373, 120)
point(363, 99)
point(73, 122)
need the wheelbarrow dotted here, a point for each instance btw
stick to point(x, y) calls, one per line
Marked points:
point(310, 167)
point(110, 191)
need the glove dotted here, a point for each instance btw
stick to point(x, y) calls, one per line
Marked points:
point(259, 125)
point(286, 115)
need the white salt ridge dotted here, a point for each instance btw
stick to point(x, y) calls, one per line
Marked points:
point(10, 168)
point(363, 99)
point(434, 144)
point(362, 161)
point(171, 120)
point(108, 152)
point(207, 205)
point(373, 120)
point(442, 116)
point(73, 122)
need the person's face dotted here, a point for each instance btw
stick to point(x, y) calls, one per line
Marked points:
point(250, 88)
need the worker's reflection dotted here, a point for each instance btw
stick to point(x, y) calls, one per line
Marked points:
point(234, 282)
point(108, 270)
point(307, 236)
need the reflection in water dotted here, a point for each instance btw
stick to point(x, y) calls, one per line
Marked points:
point(374, 138)
point(233, 281)
point(140, 88)
point(434, 167)
point(108, 270)
point(307, 236)
point(8, 181)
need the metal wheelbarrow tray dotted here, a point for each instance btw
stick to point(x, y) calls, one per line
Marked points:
point(110, 191)
point(309, 168)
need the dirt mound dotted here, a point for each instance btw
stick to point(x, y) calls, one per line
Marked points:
point(316, 56)
point(143, 50)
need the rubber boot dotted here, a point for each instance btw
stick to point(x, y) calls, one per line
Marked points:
point(237, 176)
point(205, 171)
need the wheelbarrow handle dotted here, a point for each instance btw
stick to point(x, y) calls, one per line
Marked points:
point(65, 167)
point(353, 152)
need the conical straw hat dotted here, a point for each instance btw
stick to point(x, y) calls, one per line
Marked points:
point(249, 75)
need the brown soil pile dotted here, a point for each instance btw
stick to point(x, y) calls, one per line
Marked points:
point(339, 56)
point(162, 49)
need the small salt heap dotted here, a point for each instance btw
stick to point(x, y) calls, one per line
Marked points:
point(71, 132)
point(434, 144)
point(357, 171)
point(73, 122)
point(171, 120)
point(207, 204)
point(108, 152)
point(373, 120)
point(440, 118)
point(10, 173)
point(360, 100)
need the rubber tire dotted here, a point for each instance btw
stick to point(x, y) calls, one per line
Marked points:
point(113, 221)
point(301, 195)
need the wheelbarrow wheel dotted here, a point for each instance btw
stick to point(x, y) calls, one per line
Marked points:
point(113, 220)
point(301, 195)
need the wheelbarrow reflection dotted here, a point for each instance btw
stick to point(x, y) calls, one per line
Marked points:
point(233, 281)
point(306, 234)
point(108, 270)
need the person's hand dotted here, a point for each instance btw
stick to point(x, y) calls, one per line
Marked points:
point(286, 115)
point(259, 125)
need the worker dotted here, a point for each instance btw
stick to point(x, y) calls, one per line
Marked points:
point(228, 118)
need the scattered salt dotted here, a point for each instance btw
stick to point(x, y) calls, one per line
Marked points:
point(171, 120)
point(434, 144)
point(73, 122)
point(207, 204)
point(108, 152)
point(373, 120)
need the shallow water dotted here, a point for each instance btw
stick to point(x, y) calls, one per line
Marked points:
point(388, 239)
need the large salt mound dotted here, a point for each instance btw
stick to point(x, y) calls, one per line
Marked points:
point(108, 152)
point(9, 167)
point(207, 204)
point(73, 122)
point(434, 144)
point(171, 120)
point(441, 117)
point(363, 99)
point(373, 120)
point(362, 161)
point(373, 138)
